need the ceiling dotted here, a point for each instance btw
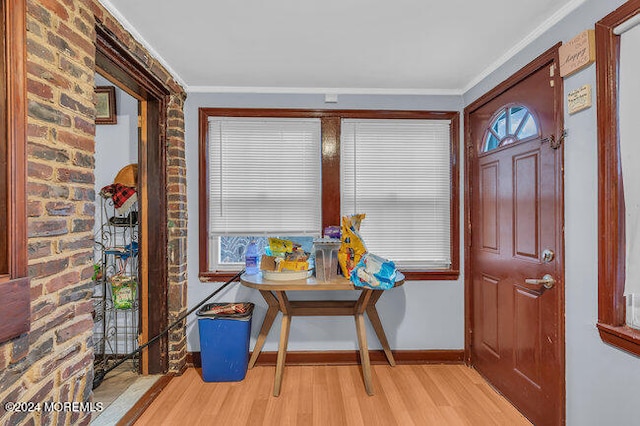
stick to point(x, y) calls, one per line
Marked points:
point(336, 46)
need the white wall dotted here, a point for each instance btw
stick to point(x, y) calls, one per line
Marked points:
point(602, 382)
point(116, 144)
point(418, 315)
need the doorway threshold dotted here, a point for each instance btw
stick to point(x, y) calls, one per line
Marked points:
point(119, 393)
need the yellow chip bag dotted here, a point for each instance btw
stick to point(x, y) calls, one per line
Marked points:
point(352, 247)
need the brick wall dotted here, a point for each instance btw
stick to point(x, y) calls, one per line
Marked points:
point(53, 362)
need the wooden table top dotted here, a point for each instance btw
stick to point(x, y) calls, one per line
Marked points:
point(310, 284)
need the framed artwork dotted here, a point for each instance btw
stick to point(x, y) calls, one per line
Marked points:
point(106, 105)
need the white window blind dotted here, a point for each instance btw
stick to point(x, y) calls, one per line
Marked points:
point(398, 172)
point(264, 176)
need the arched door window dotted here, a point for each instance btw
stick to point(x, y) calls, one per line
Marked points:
point(510, 124)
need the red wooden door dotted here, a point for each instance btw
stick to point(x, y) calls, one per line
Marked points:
point(516, 214)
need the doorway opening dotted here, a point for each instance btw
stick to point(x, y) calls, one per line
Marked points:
point(133, 259)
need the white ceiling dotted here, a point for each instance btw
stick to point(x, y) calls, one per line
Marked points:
point(336, 46)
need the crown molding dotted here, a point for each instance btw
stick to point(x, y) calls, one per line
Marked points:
point(323, 90)
point(526, 41)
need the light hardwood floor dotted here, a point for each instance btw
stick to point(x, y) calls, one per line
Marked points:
point(334, 395)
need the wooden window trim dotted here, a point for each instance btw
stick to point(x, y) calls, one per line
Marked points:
point(611, 230)
point(14, 283)
point(330, 123)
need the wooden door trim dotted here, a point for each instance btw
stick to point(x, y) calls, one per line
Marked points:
point(471, 162)
point(15, 315)
point(119, 66)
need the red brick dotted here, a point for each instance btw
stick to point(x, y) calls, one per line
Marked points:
point(47, 228)
point(46, 191)
point(84, 308)
point(56, 79)
point(34, 209)
point(85, 126)
point(60, 44)
point(40, 51)
point(39, 170)
point(82, 225)
point(69, 332)
point(39, 89)
point(76, 141)
point(75, 176)
point(60, 208)
point(82, 258)
point(86, 273)
point(46, 152)
point(36, 292)
point(48, 113)
point(35, 131)
point(72, 36)
point(38, 249)
point(47, 268)
point(55, 7)
point(38, 12)
point(62, 281)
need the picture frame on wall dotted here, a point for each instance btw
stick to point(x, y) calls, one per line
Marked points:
point(106, 105)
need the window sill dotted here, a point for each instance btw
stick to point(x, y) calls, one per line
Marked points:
point(623, 337)
point(448, 275)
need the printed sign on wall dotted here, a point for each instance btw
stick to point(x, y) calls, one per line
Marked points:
point(579, 99)
point(577, 53)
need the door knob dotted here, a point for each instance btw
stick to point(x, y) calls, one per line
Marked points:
point(547, 281)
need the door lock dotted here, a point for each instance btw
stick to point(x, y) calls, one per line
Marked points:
point(548, 255)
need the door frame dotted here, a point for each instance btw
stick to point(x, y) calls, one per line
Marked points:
point(471, 162)
point(116, 63)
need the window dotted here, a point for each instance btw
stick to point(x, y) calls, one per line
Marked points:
point(290, 173)
point(264, 180)
point(14, 284)
point(510, 124)
point(612, 226)
point(398, 173)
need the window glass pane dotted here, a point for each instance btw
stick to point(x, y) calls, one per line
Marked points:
point(517, 114)
point(499, 126)
point(232, 248)
point(398, 173)
point(264, 180)
point(491, 143)
point(529, 129)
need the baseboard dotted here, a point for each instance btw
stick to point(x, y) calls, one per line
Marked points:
point(350, 357)
point(145, 401)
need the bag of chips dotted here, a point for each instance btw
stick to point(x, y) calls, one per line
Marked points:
point(352, 247)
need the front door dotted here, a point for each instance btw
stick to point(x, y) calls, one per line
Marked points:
point(516, 234)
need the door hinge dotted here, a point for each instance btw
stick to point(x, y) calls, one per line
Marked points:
point(139, 121)
point(553, 143)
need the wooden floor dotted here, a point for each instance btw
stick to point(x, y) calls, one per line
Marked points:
point(334, 395)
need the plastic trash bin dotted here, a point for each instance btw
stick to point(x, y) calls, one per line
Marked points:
point(224, 329)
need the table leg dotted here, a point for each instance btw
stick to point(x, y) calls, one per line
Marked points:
point(284, 340)
point(364, 353)
point(361, 305)
point(372, 313)
point(272, 312)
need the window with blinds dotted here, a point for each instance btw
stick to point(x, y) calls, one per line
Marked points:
point(398, 172)
point(264, 180)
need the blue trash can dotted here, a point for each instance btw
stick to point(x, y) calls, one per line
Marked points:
point(225, 329)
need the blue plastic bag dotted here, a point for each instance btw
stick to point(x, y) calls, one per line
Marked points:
point(374, 272)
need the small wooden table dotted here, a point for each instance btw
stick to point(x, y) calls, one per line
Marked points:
point(275, 294)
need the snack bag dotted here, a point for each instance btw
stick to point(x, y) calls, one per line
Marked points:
point(123, 291)
point(374, 272)
point(352, 247)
